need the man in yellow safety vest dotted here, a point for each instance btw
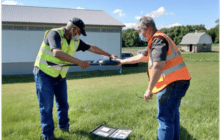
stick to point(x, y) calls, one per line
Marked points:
point(59, 46)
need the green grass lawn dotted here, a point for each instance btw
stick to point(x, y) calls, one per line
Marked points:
point(109, 98)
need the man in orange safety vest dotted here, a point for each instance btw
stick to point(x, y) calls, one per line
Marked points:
point(169, 76)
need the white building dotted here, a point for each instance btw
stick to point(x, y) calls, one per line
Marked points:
point(196, 42)
point(23, 29)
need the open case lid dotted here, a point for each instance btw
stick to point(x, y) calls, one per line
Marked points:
point(109, 132)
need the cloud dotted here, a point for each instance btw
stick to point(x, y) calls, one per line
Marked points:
point(209, 27)
point(155, 14)
point(120, 12)
point(137, 17)
point(129, 25)
point(117, 11)
point(79, 8)
point(7, 2)
point(159, 12)
point(168, 26)
point(142, 12)
point(133, 25)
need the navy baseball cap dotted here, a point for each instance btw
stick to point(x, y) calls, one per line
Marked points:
point(79, 23)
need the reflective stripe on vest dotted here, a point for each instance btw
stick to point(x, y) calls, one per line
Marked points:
point(45, 54)
point(45, 63)
point(174, 53)
point(168, 57)
point(46, 51)
point(175, 68)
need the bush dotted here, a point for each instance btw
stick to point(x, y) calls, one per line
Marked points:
point(131, 38)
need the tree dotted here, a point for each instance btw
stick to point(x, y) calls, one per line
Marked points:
point(130, 38)
point(216, 29)
point(217, 21)
point(165, 30)
point(214, 33)
point(217, 39)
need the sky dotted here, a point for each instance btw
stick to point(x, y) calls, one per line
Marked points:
point(166, 13)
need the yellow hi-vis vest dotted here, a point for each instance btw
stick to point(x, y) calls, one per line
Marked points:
point(45, 54)
point(174, 69)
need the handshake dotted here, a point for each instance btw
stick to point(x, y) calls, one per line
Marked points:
point(114, 60)
point(131, 60)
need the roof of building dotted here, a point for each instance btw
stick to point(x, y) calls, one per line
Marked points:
point(195, 38)
point(49, 15)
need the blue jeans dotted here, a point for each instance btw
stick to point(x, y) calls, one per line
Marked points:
point(47, 87)
point(168, 103)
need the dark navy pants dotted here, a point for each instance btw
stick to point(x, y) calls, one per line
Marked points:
point(168, 103)
point(47, 87)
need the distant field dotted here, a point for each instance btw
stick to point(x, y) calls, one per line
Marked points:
point(133, 50)
point(109, 98)
point(215, 47)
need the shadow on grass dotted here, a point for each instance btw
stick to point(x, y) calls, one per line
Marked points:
point(209, 52)
point(142, 67)
point(199, 52)
point(90, 136)
point(184, 134)
point(214, 51)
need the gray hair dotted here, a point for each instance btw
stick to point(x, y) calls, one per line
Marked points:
point(70, 25)
point(147, 22)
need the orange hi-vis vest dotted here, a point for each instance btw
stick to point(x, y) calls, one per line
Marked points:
point(174, 69)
